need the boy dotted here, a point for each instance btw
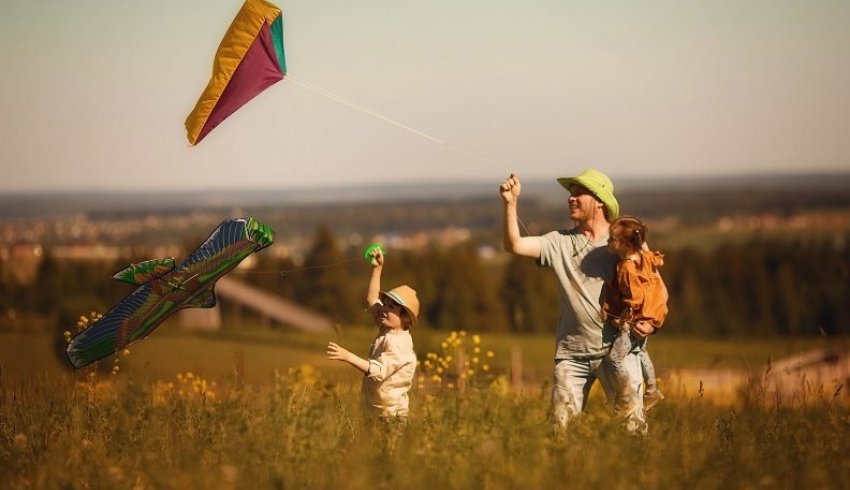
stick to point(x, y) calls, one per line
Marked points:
point(389, 369)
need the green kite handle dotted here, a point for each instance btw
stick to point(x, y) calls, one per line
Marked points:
point(367, 255)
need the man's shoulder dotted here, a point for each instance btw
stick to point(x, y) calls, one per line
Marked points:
point(557, 244)
point(560, 234)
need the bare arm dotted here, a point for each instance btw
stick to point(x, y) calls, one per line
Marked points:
point(511, 239)
point(339, 353)
point(374, 289)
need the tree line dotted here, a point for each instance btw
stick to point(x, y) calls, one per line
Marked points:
point(763, 286)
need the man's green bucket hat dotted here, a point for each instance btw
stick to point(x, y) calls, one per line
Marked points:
point(599, 185)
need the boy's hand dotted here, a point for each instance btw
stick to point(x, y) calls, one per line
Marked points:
point(337, 353)
point(377, 257)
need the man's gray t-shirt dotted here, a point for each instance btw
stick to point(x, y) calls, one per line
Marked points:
point(581, 267)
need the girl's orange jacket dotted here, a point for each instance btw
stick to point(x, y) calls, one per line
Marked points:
point(637, 292)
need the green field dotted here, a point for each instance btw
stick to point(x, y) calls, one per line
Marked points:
point(264, 409)
point(259, 351)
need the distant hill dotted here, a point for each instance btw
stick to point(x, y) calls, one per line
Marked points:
point(695, 196)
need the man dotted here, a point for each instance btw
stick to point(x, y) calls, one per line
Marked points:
point(581, 263)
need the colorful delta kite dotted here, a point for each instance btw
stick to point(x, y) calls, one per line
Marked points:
point(249, 60)
point(164, 288)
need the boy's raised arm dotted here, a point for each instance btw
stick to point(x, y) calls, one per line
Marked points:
point(372, 293)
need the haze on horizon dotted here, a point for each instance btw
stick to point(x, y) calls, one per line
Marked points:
point(94, 94)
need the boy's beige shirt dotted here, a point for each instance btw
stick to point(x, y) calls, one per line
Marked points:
point(392, 365)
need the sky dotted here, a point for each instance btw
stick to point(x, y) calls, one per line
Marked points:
point(94, 94)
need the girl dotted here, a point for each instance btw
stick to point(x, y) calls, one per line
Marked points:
point(635, 293)
point(389, 369)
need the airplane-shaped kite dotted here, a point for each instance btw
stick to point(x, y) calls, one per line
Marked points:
point(164, 288)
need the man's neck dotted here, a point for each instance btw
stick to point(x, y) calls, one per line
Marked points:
point(594, 229)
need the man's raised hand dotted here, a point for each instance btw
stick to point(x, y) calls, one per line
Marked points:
point(510, 189)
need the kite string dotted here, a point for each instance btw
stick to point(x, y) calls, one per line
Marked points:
point(331, 95)
point(286, 272)
point(327, 93)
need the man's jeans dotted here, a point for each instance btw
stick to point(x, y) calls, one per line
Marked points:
point(574, 378)
point(616, 359)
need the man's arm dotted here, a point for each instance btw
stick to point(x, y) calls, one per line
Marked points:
point(513, 242)
point(643, 329)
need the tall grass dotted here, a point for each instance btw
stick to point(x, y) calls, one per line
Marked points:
point(302, 430)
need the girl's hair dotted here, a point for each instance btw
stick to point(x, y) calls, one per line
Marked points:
point(630, 231)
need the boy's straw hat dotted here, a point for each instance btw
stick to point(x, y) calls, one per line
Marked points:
point(599, 185)
point(406, 297)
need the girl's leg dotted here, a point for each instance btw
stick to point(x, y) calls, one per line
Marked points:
point(652, 395)
point(648, 370)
